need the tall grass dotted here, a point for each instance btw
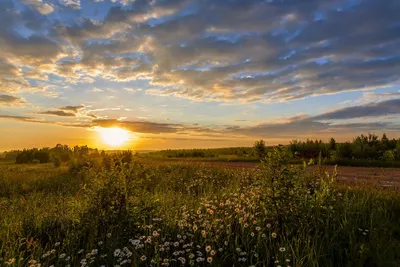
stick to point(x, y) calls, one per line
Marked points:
point(170, 214)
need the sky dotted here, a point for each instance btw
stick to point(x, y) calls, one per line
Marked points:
point(197, 73)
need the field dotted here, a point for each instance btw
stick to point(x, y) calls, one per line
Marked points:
point(141, 212)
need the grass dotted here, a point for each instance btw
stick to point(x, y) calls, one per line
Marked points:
point(189, 214)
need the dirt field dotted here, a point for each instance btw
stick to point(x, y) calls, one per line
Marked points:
point(381, 177)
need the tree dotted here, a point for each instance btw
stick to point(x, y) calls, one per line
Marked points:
point(332, 144)
point(260, 148)
point(385, 142)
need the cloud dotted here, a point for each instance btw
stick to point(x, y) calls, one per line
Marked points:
point(8, 100)
point(139, 126)
point(38, 5)
point(389, 107)
point(59, 113)
point(73, 109)
point(338, 122)
point(243, 51)
point(19, 118)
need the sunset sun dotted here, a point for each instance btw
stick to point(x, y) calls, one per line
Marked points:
point(114, 136)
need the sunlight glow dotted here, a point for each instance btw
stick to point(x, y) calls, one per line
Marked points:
point(114, 136)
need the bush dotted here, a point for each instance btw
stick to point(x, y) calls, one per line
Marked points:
point(57, 161)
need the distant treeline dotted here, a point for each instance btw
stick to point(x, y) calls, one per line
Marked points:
point(205, 153)
point(58, 154)
point(363, 147)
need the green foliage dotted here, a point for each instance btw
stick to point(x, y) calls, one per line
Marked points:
point(363, 148)
point(57, 162)
point(260, 148)
point(122, 212)
point(217, 154)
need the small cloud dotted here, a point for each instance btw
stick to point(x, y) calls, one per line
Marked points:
point(8, 100)
point(73, 109)
point(97, 90)
point(59, 113)
point(39, 6)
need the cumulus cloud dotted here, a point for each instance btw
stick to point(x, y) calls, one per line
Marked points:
point(213, 50)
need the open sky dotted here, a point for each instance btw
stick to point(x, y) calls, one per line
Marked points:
point(197, 73)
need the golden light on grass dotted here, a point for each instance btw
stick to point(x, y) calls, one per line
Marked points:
point(114, 136)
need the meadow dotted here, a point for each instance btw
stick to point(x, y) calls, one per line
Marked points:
point(123, 211)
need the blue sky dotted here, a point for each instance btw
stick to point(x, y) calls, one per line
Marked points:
point(186, 73)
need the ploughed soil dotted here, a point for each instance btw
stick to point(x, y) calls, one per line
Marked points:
point(372, 176)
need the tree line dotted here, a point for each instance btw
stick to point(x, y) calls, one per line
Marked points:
point(58, 154)
point(363, 147)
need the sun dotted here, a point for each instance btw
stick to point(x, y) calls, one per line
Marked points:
point(114, 136)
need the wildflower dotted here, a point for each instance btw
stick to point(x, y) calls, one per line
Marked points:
point(287, 260)
point(179, 236)
point(209, 259)
point(10, 261)
point(57, 244)
point(176, 244)
point(208, 248)
point(274, 235)
point(143, 258)
point(226, 243)
point(155, 233)
point(80, 251)
point(268, 225)
point(255, 255)
point(53, 251)
point(258, 228)
point(252, 234)
point(203, 233)
point(100, 243)
point(117, 252)
point(246, 225)
point(67, 258)
point(282, 249)
point(62, 256)
point(94, 252)
point(213, 252)
point(109, 235)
